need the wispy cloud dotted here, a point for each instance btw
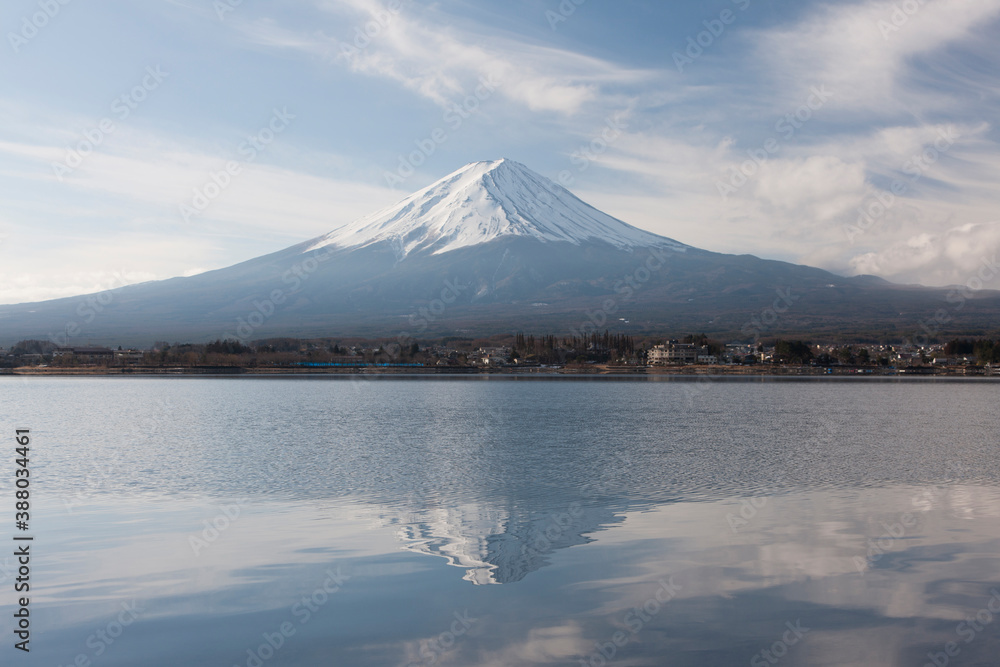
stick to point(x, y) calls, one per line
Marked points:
point(869, 51)
point(893, 76)
point(131, 193)
point(151, 171)
point(429, 55)
point(901, 76)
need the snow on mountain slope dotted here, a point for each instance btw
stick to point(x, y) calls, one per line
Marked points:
point(484, 201)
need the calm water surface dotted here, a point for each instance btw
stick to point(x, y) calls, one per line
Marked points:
point(425, 521)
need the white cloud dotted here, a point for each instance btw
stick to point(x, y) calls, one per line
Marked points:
point(125, 261)
point(118, 214)
point(951, 257)
point(430, 56)
point(261, 197)
point(865, 51)
point(797, 205)
point(894, 94)
point(815, 189)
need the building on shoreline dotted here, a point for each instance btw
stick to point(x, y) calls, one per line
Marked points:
point(678, 353)
point(85, 355)
point(493, 356)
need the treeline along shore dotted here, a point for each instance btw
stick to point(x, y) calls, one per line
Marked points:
point(605, 353)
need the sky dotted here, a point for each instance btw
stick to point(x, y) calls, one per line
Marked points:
point(146, 140)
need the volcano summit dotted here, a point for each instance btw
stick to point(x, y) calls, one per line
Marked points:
point(492, 248)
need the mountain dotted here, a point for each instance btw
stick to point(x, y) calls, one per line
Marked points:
point(494, 248)
point(484, 202)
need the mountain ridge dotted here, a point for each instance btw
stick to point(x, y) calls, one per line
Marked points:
point(491, 248)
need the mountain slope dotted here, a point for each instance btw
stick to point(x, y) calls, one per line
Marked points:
point(485, 201)
point(493, 248)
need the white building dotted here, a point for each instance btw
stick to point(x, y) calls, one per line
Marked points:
point(676, 353)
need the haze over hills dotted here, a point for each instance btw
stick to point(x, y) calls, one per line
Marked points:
point(493, 248)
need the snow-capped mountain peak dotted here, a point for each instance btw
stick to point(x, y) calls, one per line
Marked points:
point(484, 201)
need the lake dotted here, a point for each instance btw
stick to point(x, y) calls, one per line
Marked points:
point(506, 521)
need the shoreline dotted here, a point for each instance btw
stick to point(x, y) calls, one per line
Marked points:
point(590, 371)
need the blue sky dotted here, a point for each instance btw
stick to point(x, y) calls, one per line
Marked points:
point(147, 140)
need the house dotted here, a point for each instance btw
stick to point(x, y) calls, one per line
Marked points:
point(493, 356)
point(85, 355)
point(676, 353)
point(128, 357)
